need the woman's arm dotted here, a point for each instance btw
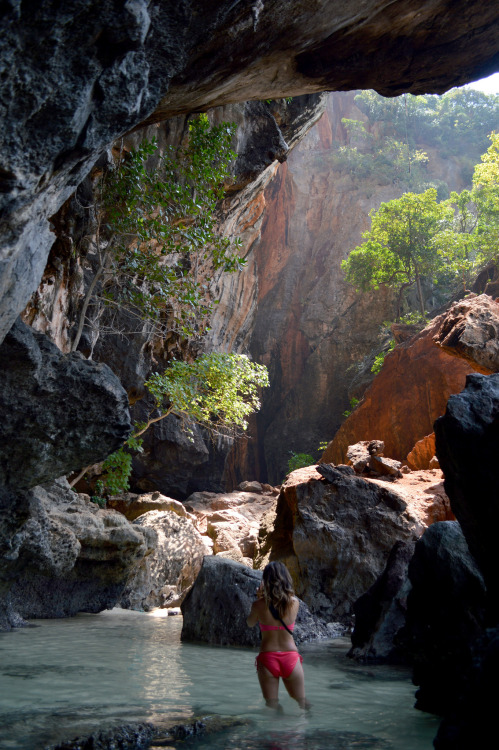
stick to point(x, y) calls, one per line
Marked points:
point(253, 616)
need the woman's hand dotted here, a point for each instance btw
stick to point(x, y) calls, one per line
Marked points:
point(260, 592)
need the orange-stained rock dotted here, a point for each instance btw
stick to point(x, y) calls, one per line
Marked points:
point(422, 453)
point(405, 399)
point(470, 329)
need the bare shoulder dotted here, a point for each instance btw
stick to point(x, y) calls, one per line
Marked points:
point(295, 606)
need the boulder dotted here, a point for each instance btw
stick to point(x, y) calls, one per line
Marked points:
point(334, 531)
point(445, 615)
point(423, 453)
point(411, 401)
point(467, 437)
point(358, 455)
point(70, 556)
point(380, 612)
point(59, 412)
point(470, 330)
point(216, 607)
point(234, 520)
point(132, 506)
point(386, 467)
point(165, 575)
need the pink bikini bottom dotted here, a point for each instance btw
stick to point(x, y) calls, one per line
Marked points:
point(279, 663)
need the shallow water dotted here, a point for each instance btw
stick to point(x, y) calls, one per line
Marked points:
point(69, 677)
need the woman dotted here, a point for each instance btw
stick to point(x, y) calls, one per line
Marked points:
point(275, 609)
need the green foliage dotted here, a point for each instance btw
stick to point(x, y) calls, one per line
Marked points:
point(354, 402)
point(217, 390)
point(416, 237)
point(400, 248)
point(299, 461)
point(324, 443)
point(379, 359)
point(157, 236)
point(387, 145)
point(457, 122)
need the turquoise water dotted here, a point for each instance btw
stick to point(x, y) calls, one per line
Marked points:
point(69, 677)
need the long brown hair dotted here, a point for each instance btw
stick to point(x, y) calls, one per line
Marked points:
point(278, 587)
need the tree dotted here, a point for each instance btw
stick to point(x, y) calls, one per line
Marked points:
point(485, 195)
point(217, 391)
point(156, 226)
point(400, 248)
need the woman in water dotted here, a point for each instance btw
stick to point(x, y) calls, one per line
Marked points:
point(275, 609)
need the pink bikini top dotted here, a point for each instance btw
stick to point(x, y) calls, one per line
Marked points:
point(275, 627)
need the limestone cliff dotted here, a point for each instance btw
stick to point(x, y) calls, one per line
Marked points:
point(77, 77)
point(312, 330)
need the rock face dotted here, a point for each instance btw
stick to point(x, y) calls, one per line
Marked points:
point(216, 607)
point(470, 330)
point(414, 384)
point(334, 531)
point(110, 67)
point(235, 521)
point(69, 555)
point(166, 574)
point(380, 613)
point(445, 615)
point(466, 434)
point(59, 412)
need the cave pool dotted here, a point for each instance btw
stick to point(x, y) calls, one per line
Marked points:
point(67, 678)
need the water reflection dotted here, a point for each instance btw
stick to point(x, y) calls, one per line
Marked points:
point(69, 677)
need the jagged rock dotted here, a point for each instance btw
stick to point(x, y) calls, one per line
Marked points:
point(233, 520)
point(385, 466)
point(423, 453)
point(467, 436)
point(335, 534)
point(216, 607)
point(255, 487)
point(145, 734)
point(358, 455)
point(59, 412)
point(445, 615)
point(380, 612)
point(470, 329)
point(412, 402)
point(132, 506)
point(165, 575)
point(472, 720)
point(70, 555)
point(109, 71)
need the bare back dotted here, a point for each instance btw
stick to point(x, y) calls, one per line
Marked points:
point(276, 640)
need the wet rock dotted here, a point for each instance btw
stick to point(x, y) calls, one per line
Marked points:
point(148, 735)
point(470, 330)
point(124, 737)
point(380, 613)
point(70, 556)
point(445, 615)
point(335, 534)
point(165, 575)
point(216, 607)
point(59, 412)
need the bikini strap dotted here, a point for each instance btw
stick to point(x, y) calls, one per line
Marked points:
point(275, 615)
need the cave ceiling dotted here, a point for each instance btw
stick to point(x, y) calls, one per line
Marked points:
point(75, 76)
